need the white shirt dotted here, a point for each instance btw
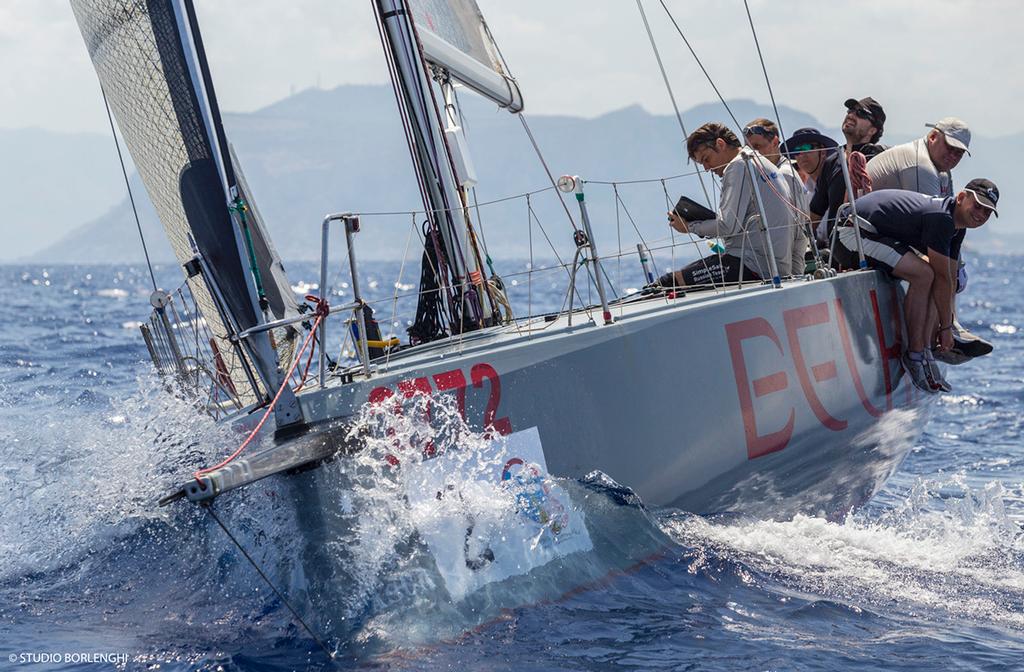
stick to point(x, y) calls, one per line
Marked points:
point(909, 166)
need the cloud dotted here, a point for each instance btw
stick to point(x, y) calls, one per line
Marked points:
point(922, 58)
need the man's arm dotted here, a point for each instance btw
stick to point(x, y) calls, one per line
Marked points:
point(928, 181)
point(943, 286)
point(732, 204)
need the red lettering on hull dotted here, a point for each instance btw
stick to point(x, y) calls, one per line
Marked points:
point(736, 333)
point(452, 381)
point(795, 320)
point(813, 317)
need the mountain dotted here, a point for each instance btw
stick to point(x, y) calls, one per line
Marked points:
point(51, 180)
point(327, 151)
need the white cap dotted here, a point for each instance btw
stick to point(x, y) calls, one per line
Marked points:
point(956, 132)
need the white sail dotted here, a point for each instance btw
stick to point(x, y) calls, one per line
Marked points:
point(151, 65)
point(455, 37)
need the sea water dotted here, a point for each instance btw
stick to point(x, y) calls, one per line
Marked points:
point(93, 575)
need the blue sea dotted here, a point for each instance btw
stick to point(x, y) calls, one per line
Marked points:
point(95, 576)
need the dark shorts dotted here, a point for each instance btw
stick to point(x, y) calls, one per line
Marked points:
point(880, 251)
point(715, 270)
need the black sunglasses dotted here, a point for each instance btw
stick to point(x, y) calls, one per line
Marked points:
point(758, 130)
point(862, 113)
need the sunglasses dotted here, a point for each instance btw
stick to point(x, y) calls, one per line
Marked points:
point(862, 113)
point(803, 148)
point(759, 130)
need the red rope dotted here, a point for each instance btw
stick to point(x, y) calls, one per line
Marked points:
point(322, 310)
point(305, 372)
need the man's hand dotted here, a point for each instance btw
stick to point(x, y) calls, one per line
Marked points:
point(677, 222)
point(945, 339)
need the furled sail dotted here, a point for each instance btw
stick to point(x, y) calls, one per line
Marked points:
point(151, 65)
point(455, 36)
point(275, 281)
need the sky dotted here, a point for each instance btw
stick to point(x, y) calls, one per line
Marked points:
point(922, 59)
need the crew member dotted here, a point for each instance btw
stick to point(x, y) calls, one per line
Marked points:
point(897, 228)
point(717, 149)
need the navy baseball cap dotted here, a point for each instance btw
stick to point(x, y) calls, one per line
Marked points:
point(871, 106)
point(985, 192)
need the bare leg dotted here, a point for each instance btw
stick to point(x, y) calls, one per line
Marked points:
point(919, 274)
point(932, 324)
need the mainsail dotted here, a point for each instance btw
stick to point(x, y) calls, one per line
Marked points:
point(455, 36)
point(149, 58)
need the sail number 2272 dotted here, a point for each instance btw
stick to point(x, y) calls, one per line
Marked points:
point(455, 382)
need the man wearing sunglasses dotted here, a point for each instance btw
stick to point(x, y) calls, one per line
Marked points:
point(809, 148)
point(925, 165)
point(763, 136)
point(862, 127)
point(917, 238)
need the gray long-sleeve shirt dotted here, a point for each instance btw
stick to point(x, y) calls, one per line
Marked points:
point(743, 236)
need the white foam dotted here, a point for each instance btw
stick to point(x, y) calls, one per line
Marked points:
point(947, 548)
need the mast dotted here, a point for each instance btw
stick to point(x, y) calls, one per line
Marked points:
point(429, 154)
point(441, 41)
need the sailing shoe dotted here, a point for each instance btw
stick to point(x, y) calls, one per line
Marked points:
point(966, 346)
point(934, 373)
point(918, 372)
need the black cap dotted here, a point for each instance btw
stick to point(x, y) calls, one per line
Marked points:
point(985, 192)
point(803, 136)
point(872, 107)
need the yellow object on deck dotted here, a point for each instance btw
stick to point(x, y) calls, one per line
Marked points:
point(383, 344)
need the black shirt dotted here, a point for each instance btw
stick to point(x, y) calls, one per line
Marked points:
point(830, 191)
point(923, 222)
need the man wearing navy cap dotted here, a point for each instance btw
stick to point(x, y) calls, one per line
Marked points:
point(862, 128)
point(925, 165)
point(896, 228)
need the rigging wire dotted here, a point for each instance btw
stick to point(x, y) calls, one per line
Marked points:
point(266, 579)
point(547, 170)
point(671, 94)
point(793, 182)
point(764, 69)
point(699, 63)
point(128, 186)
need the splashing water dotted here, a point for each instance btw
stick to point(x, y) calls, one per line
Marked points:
point(440, 528)
point(965, 559)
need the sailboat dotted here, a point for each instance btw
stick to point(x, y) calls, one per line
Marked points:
point(767, 398)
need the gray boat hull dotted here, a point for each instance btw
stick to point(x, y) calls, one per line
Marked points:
point(761, 401)
point(765, 401)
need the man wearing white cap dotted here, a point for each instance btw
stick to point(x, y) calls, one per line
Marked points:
point(923, 165)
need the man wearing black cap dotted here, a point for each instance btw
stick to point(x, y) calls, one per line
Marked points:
point(924, 165)
point(862, 128)
point(896, 227)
